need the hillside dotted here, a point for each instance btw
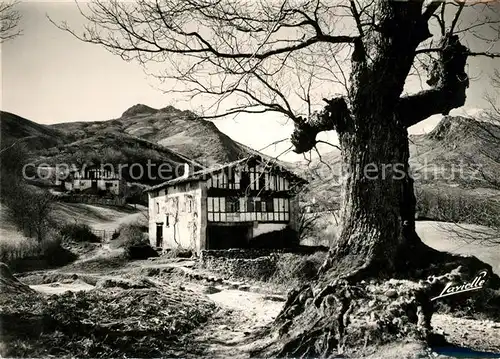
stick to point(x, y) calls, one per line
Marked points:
point(140, 135)
point(180, 131)
point(33, 135)
point(458, 157)
point(92, 143)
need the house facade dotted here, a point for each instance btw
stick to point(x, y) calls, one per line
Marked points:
point(94, 180)
point(224, 207)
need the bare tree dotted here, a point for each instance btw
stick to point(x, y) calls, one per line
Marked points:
point(9, 21)
point(306, 223)
point(285, 57)
point(30, 209)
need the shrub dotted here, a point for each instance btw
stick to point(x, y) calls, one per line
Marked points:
point(284, 238)
point(106, 323)
point(79, 233)
point(22, 253)
point(140, 251)
point(130, 235)
point(133, 239)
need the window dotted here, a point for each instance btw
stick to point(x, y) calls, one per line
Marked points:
point(167, 222)
point(250, 205)
point(232, 205)
point(157, 207)
point(245, 180)
point(230, 178)
point(190, 206)
point(263, 206)
point(262, 180)
point(270, 205)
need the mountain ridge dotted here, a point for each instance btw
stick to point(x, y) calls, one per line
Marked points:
point(179, 130)
point(456, 155)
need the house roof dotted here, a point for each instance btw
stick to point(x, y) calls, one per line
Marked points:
point(203, 174)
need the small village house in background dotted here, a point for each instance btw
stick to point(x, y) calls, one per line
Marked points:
point(93, 180)
point(223, 207)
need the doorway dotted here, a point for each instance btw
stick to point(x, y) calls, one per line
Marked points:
point(225, 237)
point(159, 235)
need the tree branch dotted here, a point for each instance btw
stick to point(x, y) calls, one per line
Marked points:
point(9, 21)
point(335, 116)
point(449, 82)
point(431, 8)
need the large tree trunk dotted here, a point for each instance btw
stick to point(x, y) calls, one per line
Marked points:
point(351, 305)
point(378, 206)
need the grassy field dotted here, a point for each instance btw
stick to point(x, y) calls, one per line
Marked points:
point(15, 247)
point(455, 239)
point(97, 217)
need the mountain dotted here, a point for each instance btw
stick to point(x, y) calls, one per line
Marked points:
point(459, 151)
point(177, 130)
point(459, 157)
point(140, 135)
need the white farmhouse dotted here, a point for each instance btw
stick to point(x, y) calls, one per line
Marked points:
point(223, 207)
point(94, 180)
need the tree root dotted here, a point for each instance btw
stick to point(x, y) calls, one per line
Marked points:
point(352, 312)
point(344, 317)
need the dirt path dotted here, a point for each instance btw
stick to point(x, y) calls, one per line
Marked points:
point(242, 312)
point(228, 333)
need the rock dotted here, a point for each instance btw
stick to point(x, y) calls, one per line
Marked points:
point(391, 293)
point(209, 289)
point(274, 298)
point(234, 285)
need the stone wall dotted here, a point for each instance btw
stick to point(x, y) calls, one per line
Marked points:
point(257, 264)
point(235, 253)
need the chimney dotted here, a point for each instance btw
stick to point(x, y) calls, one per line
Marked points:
point(188, 170)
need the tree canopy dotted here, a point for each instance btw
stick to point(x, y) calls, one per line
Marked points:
point(280, 56)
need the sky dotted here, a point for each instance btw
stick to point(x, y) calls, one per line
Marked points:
point(49, 77)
